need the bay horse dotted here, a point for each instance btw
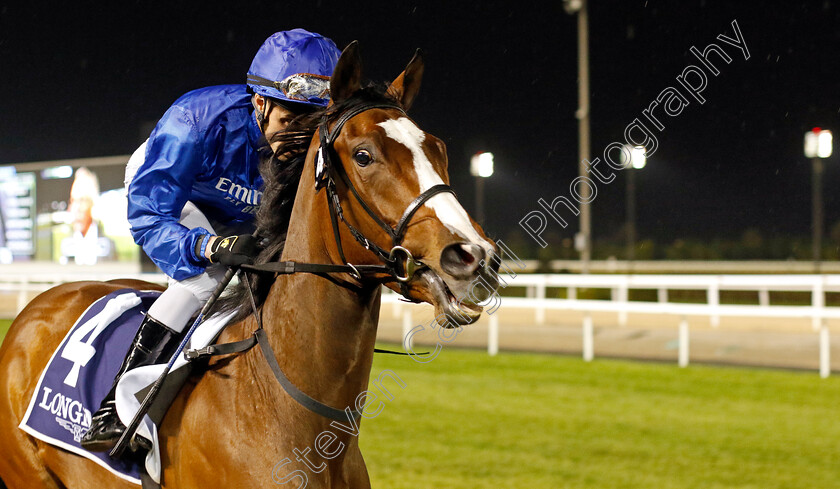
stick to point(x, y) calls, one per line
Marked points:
point(232, 426)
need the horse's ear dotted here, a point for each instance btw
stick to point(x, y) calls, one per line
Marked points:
point(406, 86)
point(347, 76)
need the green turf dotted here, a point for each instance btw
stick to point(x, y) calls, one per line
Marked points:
point(467, 420)
point(4, 327)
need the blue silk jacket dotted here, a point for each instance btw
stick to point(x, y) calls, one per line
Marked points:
point(205, 149)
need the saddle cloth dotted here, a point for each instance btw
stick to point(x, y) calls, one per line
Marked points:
point(82, 370)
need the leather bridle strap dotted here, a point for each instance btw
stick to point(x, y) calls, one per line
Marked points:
point(237, 347)
point(326, 153)
point(290, 267)
point(298, 395)
point(259, 337)
point(381, 223)
point(327, 139)
point(346, 116)
point(414, 206)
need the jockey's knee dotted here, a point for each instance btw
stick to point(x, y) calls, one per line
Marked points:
point(182, 299)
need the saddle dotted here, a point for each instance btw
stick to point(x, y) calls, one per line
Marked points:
point(82, 369)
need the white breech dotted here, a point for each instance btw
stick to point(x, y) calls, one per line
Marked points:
point(183, 298)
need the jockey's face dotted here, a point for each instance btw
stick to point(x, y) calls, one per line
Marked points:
point(277, 119)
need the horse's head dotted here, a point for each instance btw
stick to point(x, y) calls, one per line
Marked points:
point(391, 179)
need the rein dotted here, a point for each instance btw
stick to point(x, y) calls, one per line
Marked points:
point(399, 263)
point(260, 337)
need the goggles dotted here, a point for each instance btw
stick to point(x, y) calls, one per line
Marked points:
point(303, 87)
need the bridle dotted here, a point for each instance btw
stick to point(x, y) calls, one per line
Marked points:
point(398, 262)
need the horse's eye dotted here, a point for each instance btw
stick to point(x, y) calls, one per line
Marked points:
point(362, 157)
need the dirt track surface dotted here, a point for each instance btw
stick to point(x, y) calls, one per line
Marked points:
point(786, 343)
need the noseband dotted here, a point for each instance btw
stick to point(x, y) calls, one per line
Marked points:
point(399, 262)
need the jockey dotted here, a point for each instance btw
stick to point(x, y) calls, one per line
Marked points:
point(197, 178)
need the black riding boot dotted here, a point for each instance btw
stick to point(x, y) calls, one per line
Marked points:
point(154, 342)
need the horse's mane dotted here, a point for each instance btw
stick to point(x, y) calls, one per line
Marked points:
point(281, 172)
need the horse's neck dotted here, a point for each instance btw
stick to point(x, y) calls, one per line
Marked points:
point(325, 327)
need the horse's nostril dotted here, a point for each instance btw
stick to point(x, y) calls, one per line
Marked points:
point(461, 260)
point(465, 255)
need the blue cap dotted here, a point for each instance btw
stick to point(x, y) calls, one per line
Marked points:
point(289, 53)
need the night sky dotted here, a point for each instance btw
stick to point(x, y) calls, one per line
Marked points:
point(83, 81)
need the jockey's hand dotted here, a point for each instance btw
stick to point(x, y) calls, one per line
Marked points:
point(233, 251)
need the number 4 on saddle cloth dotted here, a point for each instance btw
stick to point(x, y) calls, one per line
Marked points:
point(82, 370)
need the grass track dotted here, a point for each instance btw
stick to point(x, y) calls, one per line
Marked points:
point(467, 420)
point(4, 327)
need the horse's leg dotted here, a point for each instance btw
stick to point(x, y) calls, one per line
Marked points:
point(355, 470)
point(34, 335)
point(20, 465)
point(198, 453)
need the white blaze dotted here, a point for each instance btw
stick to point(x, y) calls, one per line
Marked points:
point(445, 205)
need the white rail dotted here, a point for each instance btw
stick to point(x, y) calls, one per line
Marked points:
point(24, 285)
point(619, 285)
point(619, 303)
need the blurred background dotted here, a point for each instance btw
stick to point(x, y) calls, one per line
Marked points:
point(719, 247)
point(728, 181)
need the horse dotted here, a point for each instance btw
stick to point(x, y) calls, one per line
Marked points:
point(386, 182)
